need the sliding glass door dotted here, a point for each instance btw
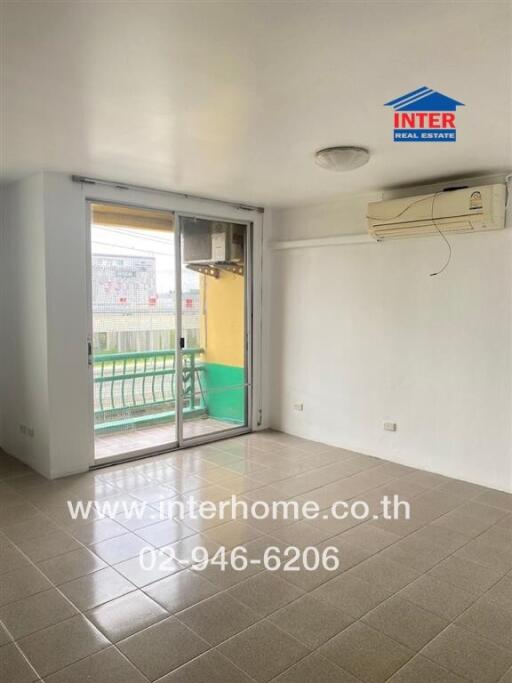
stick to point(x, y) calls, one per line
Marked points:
point(214, 326)
point(133, 344)
point(168, 350)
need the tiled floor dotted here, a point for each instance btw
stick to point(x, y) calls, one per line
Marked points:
point(428, 600)
point(153, 436)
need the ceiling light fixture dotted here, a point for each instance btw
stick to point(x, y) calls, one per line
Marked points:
point(342, 158)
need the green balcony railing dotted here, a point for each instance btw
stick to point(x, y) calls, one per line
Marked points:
point(132, 389)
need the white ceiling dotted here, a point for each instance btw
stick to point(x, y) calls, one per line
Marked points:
point(231, 99)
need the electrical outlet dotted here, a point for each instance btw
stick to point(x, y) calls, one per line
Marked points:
point(299, 407)
point(30, 432)
point(390, 426)
point(23, 429)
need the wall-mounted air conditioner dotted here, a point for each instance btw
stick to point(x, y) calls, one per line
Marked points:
point(469, 209)
point(208, 242)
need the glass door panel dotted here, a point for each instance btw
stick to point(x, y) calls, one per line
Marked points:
point(213, 326)
point(133, 345)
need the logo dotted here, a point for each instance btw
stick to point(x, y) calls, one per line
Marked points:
point(424, 115)
point(475, 201)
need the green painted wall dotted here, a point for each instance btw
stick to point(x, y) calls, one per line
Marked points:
point(226, 405)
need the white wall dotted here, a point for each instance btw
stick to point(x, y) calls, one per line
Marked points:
point(23, 343)
point(70, 413)
point(362, 334)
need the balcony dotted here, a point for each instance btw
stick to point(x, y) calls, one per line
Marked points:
point(135, 400)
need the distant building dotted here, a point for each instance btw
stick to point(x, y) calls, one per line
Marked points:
point(120, 280)
point(129, 313)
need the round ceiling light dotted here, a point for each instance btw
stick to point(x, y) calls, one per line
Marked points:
point(342, 158)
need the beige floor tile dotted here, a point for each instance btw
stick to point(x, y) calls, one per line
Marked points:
point(126, 615)
point(462, 573)
point(507, 678)
point(468, 655)
point(15, 510)
point(218, 618)
point(71, 566)
point(438, 597)
point(311, 621)
point(144, 516)
point(489, 620)
point(185, 551)
point(315, 669)
point(366, 653)
point(11, 558)
point(416, 553)
point(181, 590)
point(14, 668)
point(499, 534)
point(4, 636)
point(226, 577)
point(497, 499)
point(421, 670)
point(148, 568)
point(36, 612)
point(347, 554)
point(107, 666)
point(302, 534)
point(58, 543)
point(94, 589)
point(428, 479)
point(482, 511)
point(437, 536)
point(211, 667)
point(405, 622)
point(332, 526)
point(265, 593)
point(386, 573)
point(120, 548)
point(232, 534)
point(221, 459)
point(150, 650)
point(505, 521)
point(501, 592)
point(461, 534)
point(351, 595)
point(153, 493)
point(263, 651)
point(35, 527)
point(62, 644)
point(98, 530)
point(164, 533)
point(466, 524)
point(20, 583)
point(462, 488)
point(369, 537)
point(488, 552)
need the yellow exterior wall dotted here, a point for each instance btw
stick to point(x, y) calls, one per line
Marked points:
point(223, 319)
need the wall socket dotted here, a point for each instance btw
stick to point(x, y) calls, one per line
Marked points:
point(298, 407)
point(390, 426)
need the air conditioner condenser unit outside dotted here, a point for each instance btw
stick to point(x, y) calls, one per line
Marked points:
point(207, 242)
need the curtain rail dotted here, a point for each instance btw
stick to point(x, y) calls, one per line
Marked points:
point(141, 188)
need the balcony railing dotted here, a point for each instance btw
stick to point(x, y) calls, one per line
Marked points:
point(136, 389)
